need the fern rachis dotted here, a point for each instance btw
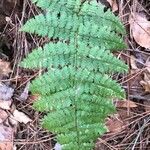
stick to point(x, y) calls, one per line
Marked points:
point(76, 91)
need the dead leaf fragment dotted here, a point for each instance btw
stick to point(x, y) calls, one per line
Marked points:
point(118, 122)
point(133, 62)
point(125, 104)
point(4, 67)
point(12, 121)
point(20, 117)
point(113, 4)
point(115, 125)
point(140, 28)
point(5, 104)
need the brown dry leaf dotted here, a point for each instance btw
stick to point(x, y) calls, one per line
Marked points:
point(4, 67)
point(20, 117)
point(125, 104)
point(115, 125)
point(140, 28)
point(6, 136)
point(118, 122)
point(113, 4)
point(3, 116)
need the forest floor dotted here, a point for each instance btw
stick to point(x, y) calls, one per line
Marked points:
point(128, 129)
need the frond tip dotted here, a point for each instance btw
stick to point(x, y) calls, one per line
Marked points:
point(76, 91)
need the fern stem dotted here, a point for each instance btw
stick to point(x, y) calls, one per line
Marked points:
point(76, 90)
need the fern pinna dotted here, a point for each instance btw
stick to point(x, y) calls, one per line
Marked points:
point(76, 91)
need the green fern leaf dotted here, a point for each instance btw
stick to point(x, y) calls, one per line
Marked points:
point(66, 26)
point(77, 90)
point(91, 12)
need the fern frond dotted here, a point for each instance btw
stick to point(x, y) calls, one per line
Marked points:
point(91, 12)
point(76, 91)
point(52, 81)
point(91, 58)
point(66, 26)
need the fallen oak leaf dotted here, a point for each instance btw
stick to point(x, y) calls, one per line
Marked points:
point(140, 28)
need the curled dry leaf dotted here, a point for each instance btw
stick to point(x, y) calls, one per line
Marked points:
point(20, 117)
point(113, 4)
point(140, 28)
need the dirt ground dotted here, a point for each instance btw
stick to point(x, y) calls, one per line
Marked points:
point(128, 129)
